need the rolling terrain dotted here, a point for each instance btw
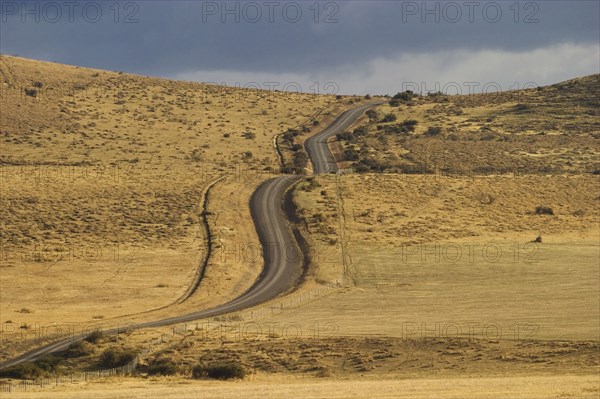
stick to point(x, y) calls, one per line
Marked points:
point(442, 280)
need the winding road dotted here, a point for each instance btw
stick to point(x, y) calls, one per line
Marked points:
point(316, 146)
point(283, 258)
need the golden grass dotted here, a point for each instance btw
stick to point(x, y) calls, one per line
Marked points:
point(102, 182)
point(102, 163)
point(586, 386)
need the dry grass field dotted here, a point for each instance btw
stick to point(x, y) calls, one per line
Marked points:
point(474, 274)
point(103, 177)
point(535, 387)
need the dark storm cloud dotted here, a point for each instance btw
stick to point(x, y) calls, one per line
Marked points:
point(172, 37)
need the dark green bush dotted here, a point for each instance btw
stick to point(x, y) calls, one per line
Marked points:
point(48, 363)
point(345, 136)
point(31, 92)
point(219, 372)
point(389, 118)
point(404, 96)
point(522, 108)
point(112, 357)
point(300, 161)
point(22, 371)
point(410, 124)
point(433, 131)
point(162, 366)
point(94, 337)
point(361, 131)
point(78, 349)
point(544, 210)
point(372, 114)
point(350, 154)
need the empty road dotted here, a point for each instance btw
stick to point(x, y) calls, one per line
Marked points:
point(316, 146)
point(283, 260)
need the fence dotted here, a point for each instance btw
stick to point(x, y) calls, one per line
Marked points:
point(40, 383)
point(287, 303)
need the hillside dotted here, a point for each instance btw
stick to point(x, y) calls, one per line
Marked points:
point(455, 252)
point(552, 129)
point(103, 181)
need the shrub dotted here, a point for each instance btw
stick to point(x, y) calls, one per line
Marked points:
point(94, 337)
point(196, 155)
point(544, 210)
point(435, 94)
point(112, 357)
point(219, 372)
point(39, 85)
point(360, 131)
point(433, 131)
point(372, 114)
point(315, 123)
point(22, 371)
point(249, 135)
point(31, 92)
point(48, 363)
point(300, 161)
point(389, 118)
point(162, 366)
point(409, 125)
point(345, 136)
point(78, 349)
point(404, 96)
point(350, 154)
point(288, 136)
point(522, 108)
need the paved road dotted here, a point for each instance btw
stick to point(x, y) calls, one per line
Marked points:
point(316, 146)
point(283, 261)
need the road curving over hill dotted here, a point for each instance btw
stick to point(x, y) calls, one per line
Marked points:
point(282, 256)
point(316, 146)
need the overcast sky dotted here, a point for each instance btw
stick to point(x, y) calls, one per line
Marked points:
point(341, 47)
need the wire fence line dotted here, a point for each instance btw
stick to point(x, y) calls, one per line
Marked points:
point(287, 303)
point(84, 376)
